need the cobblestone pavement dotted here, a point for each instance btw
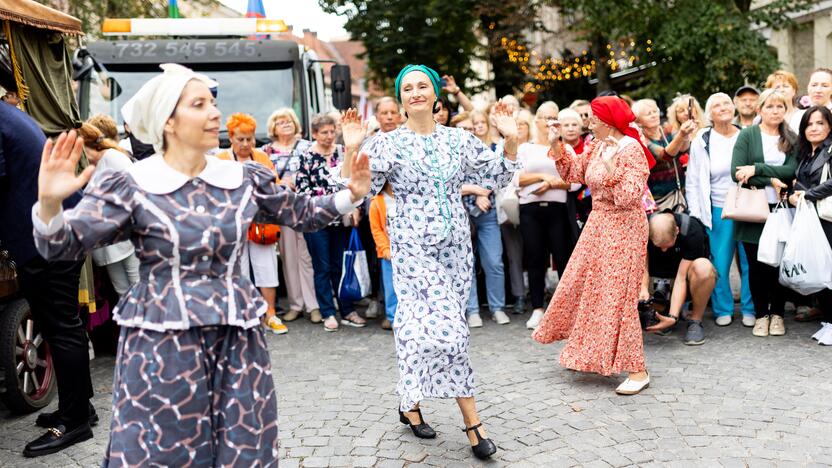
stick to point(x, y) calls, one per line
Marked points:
point(735, 401)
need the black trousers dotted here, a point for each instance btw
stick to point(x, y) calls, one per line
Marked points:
point(768, 294)
point(51, 288)
point(546, 231)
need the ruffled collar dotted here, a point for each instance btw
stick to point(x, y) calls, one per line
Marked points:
point(154, 175)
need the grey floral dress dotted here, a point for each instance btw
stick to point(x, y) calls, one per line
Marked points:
point(430, 243)
point(193, 383)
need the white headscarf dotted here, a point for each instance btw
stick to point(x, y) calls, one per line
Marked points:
point(153, 104)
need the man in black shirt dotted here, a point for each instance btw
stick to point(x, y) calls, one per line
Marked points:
point(679, 250)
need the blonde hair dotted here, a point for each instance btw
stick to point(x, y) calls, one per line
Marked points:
point(683, 100)
point(282, 113)
point(484, 115)
point(94, 138)
point(460, 117)
point(525, 117)
point(787, 136)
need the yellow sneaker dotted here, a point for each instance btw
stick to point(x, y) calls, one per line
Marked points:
point(274, 325)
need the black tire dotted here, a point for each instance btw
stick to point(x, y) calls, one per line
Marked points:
point(25, 361)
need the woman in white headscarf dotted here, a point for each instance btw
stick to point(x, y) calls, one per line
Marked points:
point(193, 381)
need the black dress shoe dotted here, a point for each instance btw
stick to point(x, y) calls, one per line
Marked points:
point(47, 420)
point(56, 439)
point(421, 430)
point(484, 448)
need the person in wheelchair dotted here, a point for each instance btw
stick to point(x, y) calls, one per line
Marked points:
point(679, 251)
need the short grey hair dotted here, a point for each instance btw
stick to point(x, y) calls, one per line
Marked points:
point(322, 120)
point(709, 104)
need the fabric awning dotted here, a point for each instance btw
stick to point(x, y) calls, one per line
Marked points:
point(34, 14)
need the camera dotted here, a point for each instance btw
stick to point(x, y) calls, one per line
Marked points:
point(647, 314)
point(661, 292)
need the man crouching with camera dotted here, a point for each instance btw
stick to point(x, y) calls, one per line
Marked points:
point(679, 251)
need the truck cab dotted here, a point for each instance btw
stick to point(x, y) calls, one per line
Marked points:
point(256, 76)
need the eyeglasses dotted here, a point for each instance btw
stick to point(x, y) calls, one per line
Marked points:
point(284, 123)
point(584, 116)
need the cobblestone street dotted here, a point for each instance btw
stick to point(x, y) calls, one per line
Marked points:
point(735, 401)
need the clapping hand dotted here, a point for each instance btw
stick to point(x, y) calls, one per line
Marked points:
point(359, 183)
point(504, 121)
point(353, 128)
point(57, 179)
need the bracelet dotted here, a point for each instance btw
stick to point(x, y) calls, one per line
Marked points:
point(457, 91)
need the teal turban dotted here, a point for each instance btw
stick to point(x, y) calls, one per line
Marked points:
point(430, 72)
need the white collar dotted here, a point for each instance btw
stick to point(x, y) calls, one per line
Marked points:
point(154, 175)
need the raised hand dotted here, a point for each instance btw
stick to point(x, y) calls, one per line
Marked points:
point(353, 128)
point(450, 84)
point(554, 131)
point(504, 121)
point(359, 183)
point(57, 179)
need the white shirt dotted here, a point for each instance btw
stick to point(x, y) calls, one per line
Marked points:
point(721, 150)
point(535, 159)
point(773, 156)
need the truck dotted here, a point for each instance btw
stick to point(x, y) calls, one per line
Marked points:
point(255, 74)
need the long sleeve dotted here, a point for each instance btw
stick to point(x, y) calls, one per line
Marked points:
point(301, 212)
point(378, 226)
point(380, 151)
point(627, 180)
point(742, 156)
point(102, 217)
point(696, 168)
point(484, 167)
point(784, 172)
point(572, 167)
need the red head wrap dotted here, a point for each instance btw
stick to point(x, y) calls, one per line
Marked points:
point(614, 111)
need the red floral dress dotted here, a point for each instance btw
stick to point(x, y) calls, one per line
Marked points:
point(595, 305)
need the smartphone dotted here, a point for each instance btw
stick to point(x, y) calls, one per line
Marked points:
point(443, 82)
point(690, 109)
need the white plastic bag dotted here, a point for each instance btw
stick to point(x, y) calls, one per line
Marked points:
point(806, 266)
point(774, 236)
point(508, 205)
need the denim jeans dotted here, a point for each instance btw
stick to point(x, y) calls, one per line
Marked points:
point(326, 247)
point(490, 252)
point(723, 246)
point(390, 299)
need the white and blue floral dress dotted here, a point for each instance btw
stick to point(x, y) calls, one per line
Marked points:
point(430, 241)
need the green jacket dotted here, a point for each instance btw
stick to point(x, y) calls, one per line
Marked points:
point(748, 151)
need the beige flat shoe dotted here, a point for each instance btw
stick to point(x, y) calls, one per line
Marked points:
point(633, 387)
point(777, 327)
point(761, 326)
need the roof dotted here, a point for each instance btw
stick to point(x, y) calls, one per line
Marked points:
point(34, 14)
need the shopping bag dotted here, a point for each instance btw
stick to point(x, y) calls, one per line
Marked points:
point(806, 266)
point(355, 274)
point(508, 205)
point(774, 236)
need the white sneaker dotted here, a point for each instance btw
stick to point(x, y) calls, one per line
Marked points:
point(724, 320)
point(474, 321)
point(632, 387)
point(372, 310)
point(748, 320)
point(534, 321)
point(500, 317)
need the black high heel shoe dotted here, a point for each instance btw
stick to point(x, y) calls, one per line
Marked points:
point(484, 448)
point(421, 430)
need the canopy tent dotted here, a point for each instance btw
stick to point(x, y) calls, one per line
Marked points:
point(34, 14)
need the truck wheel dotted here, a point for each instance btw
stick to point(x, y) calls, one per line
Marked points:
point(25, 360)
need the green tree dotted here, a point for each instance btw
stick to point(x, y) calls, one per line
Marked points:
point(395, 33)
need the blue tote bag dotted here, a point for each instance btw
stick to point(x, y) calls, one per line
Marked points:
point(355, 275)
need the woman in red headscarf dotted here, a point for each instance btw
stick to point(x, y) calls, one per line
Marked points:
point(595, 305)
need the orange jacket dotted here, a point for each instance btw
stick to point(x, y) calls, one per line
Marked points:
point(256, 156)
point(378, 226)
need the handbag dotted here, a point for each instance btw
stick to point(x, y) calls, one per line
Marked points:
point(824, 206)
point(746, 204)
point(508, 205)
point(263, 229)
point(355, 274)
point(675, 200)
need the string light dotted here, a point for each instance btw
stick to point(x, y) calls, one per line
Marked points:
point(542, 71)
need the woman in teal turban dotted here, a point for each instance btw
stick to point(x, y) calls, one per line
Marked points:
point(430, 242)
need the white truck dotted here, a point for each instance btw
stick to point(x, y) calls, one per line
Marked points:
point(256, 75)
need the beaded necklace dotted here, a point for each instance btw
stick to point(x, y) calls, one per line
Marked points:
point(438, 172)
